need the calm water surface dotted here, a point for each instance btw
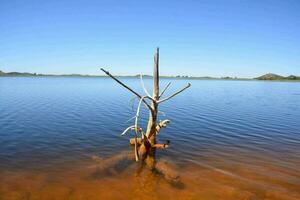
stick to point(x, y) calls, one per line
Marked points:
point(229, 140)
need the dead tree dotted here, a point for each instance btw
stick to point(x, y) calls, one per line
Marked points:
point(145, 143)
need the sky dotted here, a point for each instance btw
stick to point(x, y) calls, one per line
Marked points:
point(196, 38)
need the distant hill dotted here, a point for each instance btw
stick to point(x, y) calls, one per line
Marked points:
point(292, 77)
point(268, 76)
point(19, 74)
point(271, 76)
point(80, 75)
point(16, 74)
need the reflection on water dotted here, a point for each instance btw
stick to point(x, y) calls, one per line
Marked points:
point(85, 181)
point(229, 140)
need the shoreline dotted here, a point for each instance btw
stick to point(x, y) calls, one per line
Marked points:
point(146, 77)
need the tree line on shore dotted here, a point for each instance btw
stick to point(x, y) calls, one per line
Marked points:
point(269, 76)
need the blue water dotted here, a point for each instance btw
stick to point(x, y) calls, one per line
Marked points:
point(245, 130)
point(52, 120)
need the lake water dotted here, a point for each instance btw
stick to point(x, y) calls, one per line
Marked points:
point(229, 140)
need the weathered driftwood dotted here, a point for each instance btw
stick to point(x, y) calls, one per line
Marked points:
point(139, 141)
point(145, 142)
point(161, 124)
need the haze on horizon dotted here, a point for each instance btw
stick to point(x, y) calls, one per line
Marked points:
point(196, 38)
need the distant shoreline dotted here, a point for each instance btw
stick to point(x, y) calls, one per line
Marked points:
point(266, 77)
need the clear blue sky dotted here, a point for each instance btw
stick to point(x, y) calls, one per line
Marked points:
point(200, 38)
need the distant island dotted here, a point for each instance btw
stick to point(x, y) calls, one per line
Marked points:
point(22, 74)
point(266, 77)
point(271, 77)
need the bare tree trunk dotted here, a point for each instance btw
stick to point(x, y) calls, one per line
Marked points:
point(151, 129)
point(146, 146)
point(146, 149)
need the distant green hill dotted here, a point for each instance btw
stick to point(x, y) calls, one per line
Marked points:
point(292, 77)
point(19, 74)
point(16, 74)
point(271, 76)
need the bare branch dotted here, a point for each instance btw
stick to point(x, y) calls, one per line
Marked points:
point(136, 129)
point(162, 146)
point(136, 153)
point(145, 90)
point(167, 86)
point(127, 129)
point(175, 93)
point(131, 128)
point(128, 88)
point(132, 101)
point(161, 124)
point(137, 115)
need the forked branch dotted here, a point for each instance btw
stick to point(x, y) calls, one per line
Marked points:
point(167, 86)
point(160, 101)
point(147, 142)
point(136, 130)
point(137, 117)
point(127, 129)
point(144, 88)
point(127, 87)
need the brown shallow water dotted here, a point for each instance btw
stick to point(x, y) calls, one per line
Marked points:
point(199, 179)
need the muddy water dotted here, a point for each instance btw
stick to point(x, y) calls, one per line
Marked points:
point(197, 181)
point(229, 140)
